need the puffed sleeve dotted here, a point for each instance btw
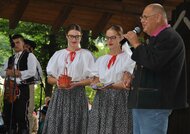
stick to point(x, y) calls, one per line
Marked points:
point(52, 65)
point(129, 63)
point(95, 70)
point(88, 64)
point(126, 48)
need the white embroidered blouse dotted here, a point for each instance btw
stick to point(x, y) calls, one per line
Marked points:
point(80, 68)
point(113, 74)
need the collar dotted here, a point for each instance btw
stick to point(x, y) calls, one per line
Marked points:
point(159, 29)
point(74, 50)
point(18, 53)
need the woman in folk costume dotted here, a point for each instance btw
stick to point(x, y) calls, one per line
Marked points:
point(68, 110)
point(109, 114)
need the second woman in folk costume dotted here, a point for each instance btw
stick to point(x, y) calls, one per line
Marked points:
point(68, 110)
point(109, 114)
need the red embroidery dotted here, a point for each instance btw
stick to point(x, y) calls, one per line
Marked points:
point(72, 56)
point(112, 61)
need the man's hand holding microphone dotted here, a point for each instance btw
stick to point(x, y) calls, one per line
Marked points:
point(132, 38)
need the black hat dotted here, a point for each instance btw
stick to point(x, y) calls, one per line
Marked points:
point(16, 36)
point(44, 110)
point(30, 43)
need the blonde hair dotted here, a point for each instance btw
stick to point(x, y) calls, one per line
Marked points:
point(117, 28)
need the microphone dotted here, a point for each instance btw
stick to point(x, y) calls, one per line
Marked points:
point(136, 30)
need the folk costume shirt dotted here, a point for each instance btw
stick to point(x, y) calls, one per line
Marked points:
point(79, 64)
point(114, 73)
point(25, 74)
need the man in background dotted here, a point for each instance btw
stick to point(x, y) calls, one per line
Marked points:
point(30, 46)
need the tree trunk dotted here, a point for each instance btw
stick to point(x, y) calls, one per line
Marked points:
point(51, 50)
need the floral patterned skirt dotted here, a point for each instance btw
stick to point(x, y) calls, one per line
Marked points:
point(67, 112)
point(109, 114)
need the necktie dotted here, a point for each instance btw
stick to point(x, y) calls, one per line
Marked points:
point(111, 61)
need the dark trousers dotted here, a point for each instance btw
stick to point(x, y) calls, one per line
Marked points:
point(19, 119)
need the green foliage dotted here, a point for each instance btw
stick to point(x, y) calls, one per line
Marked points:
point(39, 92)
point(101, 45)
point(1, 94)
point(1, 99)
point(5, 50)
point(90, 94)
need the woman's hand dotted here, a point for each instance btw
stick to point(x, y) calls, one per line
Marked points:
point(51, 80)
point(127, 78)
point(96, 84)
point(125, 83)
point(120, 86)
point(94, 80)
point(72, 85)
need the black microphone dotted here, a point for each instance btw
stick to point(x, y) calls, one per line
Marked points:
point(136, 30)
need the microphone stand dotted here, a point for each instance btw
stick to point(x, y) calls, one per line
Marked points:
point(14, 84)
point(41, 87)
point(13, 94)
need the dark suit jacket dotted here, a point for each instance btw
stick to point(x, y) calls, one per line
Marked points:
point(161, 65)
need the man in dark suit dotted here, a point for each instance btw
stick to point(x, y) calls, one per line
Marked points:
point(159, 83)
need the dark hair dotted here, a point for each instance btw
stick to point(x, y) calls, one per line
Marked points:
point(116, 28)
point(30, 43)
point(48, 102)
point(73, 27)
point(16, 36)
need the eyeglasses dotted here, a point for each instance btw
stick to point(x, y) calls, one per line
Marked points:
point(76, 37)
point(110, 38)
point(145, 17)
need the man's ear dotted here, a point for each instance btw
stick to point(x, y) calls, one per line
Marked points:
point(159, 18)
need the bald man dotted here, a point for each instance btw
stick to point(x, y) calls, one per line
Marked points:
point(160, 70)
